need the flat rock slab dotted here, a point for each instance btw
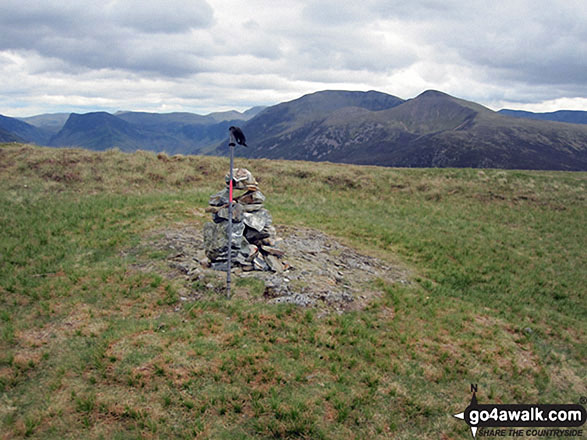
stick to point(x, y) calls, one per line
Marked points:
point(319, 271)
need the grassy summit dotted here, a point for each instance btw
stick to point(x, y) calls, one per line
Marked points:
point(96, 343)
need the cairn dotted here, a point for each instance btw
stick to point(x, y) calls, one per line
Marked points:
point(254, 241)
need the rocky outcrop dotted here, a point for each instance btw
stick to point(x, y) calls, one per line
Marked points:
point(322, 272)
point(254, 244)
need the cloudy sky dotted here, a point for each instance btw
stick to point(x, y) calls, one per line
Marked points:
point(212, 55)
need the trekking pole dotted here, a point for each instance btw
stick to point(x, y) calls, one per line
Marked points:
point(236, 137)
point(231, 144)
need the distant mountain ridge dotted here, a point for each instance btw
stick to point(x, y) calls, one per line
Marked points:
point(157, 119)
point(372, 128)
point(233, 115)
point(569, 116)
point(98, 129)
point(21, 130)
point(179, 132)
point(51, 122)
point(6, 136)
point(129, 131)
point(278, 130)
point(432, 130)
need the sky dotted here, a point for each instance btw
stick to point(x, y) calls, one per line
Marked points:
point(203, 56)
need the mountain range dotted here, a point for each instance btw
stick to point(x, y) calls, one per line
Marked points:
point(431, 130)
point(12, 128)
point(372, 128)
point(186, 133)
point(571, 116)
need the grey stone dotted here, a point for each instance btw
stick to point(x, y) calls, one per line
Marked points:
point(274, 263)
point(213, 209)
point(237, 213)
point(255, 237)
point(241, 179)
point(272, 250)
point(253, 251)
point(241, 257)
point(252, 227)
point(275, 287)
point(252, 208)
point(339, 297)
point(216, 239)
point(318, 268)
point(257, 220)
point(251, 197)
point(259, 263)
point(298, 299)
point(220, 198)
point(219, 265)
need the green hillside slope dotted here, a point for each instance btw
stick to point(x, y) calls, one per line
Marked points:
point(102, 336)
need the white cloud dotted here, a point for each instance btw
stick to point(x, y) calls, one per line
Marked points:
point(202, 56)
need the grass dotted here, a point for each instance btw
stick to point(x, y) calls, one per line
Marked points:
point(91, 347)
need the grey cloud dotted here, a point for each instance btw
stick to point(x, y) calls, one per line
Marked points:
point(537, 42)
point(343, 12)
point(330, 13)
point(169, 16)
point(428, 10)
point(118, 35)
point(345, 48)
point(515, 49)
point(32, 14)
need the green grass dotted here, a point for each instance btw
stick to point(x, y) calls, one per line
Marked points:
point(92, 347)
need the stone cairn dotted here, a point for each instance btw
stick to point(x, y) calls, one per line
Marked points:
point(254, 241)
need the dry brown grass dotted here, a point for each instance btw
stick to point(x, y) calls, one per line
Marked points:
point(95, 343)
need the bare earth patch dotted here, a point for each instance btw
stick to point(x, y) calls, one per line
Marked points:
point(322, 273)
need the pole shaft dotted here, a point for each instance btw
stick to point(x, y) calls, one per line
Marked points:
point(229, 230)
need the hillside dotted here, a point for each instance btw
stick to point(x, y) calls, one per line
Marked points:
point(372, 128)
point(110, 328)
point(16, 129)
point(130, 131)
point(51, 122)
point(431, 130)
point(233, 115)
point(162, 120)
point(185, 133)
point(287, 120)
point(100, 131)
point(6, 136)
point(178, 132)
point(569, 116)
